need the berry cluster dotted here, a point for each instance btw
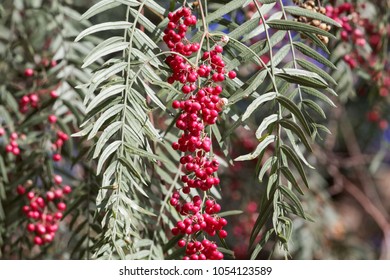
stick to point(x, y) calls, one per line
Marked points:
point(199, 108)
point(311, 6)
point(356, 30)
point(46, 205)
point(44, 212)
point(32, 99)
point(13, 146)
point(376, 116)
point(27, 101)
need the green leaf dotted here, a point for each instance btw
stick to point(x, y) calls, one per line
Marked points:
point(266, 236)
point(105, 5)
point(32, 121)
point(150, 92)
point(297, 26)
point(103, 118)
point(271, 185)
point(265, 123)
point(108, 132)
point(263, 144)
point(225, 9)
point(319, 95)
point(230, 213)
point(253, 85)
point(257, 102)
point(103, 27)
point(154, 6)
point(314, 38)
point(314, 106)
point(298, 11)
point(133, 171)
point(292, 126)
point(280, 55)
point(314, 68)
point(291, 155)
point(84, 131)
point(104, 95)
point(306, 50)
point(288, 104)
point(301, 77)
point(99, 52)
point(267, 165)
point(140, 152)
point(290, 177)
point(294, 199)
point(260, 28)
point(244, 28)
point(267, 1)
point(106, 153)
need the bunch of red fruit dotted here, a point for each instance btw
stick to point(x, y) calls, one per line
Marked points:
point(44, 212)
point(357, 31)
point(199, 108)
point(45, 208)
point(13, 146)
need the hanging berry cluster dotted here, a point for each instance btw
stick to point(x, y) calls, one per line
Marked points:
point(44, 212)
point(359, 32)
point(311, 6)
point(199, 107)
point(46, 201)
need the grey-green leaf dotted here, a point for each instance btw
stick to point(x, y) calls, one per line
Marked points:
point(257, 102)
point(103, 27)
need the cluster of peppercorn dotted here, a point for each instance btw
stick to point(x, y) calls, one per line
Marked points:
point(45, 208)
point(44, 211)
point(365, 40)
point(199, 107)
point(311, 6)
point(356, 30)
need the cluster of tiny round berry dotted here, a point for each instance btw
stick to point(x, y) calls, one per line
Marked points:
point(375, 116)
point(199, 108)
point(31, 99)
point(311, 6)
point(44, 211)
point(356, 30)
point(13, 146)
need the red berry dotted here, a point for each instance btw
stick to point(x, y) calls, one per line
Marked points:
point(57, 157)
point(57, 179)
point(67, 189)
point(31, 227)
point(30, 195)
point(52, 119)
point(28, 72)
point(38, 241)
point(222, 233)
point(48, 238)
point(20, 190)
point(218, 49)
point(176, 104)
point(40, 229)
point(50, 195)
point(53, 94)
point(61, 206)
point(232, 74)
point(58, 216)
point(16, 151)
point(181, 243)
